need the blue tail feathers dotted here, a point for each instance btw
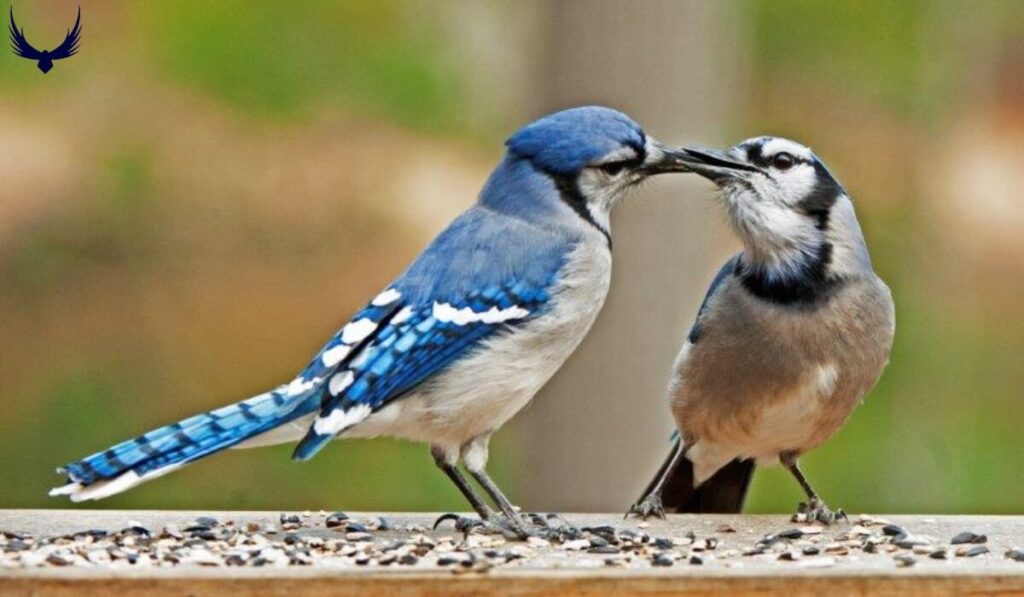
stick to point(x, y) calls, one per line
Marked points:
point(171, 446)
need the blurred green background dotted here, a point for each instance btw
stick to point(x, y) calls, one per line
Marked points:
point(195, 201)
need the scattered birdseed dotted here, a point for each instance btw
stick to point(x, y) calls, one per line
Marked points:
point(339, 540)
point(576, 545)
point(977, 550)
point(907, 541)
point(904, 560)
point(604, 549)
point(892, 530)
point(664, 543)
point(968, 537)
point(335, 520)
point(663, 559)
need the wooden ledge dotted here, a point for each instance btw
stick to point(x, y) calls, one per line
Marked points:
point(723, 553)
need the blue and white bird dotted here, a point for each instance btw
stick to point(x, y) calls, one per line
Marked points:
point(792, 334)
point(462, 340)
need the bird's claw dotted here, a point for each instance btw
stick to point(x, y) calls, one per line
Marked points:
point(817, 511)
point(463, 524)
point(496, 524)
point(649, 506)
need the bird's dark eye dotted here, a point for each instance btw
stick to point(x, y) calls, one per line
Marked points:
point(613, 168)
point(783, 161)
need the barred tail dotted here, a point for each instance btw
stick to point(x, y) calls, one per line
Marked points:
point(168, 448)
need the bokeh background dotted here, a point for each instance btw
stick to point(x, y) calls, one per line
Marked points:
point(191, 205)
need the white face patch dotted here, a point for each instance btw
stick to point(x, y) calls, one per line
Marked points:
point(357, 331)
point(601, 192)
point(764, 211)
point(386, 298)
point(793, 185)
point(339, 419)
point(334, 355)
point(446, 313)
point(602, 189)
point(339, 382)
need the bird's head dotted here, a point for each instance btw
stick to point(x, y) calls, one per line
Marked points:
point(791, 213)
point(592, 156)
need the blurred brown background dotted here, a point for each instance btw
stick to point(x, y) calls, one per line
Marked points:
point(192, 204)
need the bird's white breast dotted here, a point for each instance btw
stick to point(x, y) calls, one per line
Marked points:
point(479, 393)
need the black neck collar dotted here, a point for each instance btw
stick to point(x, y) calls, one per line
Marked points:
point(814, 285)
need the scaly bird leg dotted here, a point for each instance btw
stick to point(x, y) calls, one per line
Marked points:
point(650, 504)
point(465, 488)
point(815, 508)
point(512, 519)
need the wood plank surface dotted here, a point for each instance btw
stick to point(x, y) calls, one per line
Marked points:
point(684, 554)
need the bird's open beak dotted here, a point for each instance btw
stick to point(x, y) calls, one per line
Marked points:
point(713, 164)
point(662, 160)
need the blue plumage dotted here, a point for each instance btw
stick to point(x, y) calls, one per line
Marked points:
point(565, 142)
point(423, 343)
point(187, 440)
point(460, 341)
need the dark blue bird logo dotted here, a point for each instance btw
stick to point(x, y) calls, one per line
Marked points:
point(45, 58)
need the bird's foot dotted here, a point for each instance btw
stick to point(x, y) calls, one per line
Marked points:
point(817, 511)
point(463, 524)
point(495, 524)
point(553, 527)
point(649, 506)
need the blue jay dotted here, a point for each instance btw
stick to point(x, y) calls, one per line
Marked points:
point(792, 334)
point(462, 340)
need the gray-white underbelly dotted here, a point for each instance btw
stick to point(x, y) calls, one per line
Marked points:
point(481, 392)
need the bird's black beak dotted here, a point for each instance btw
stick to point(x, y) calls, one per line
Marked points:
point(714, 165)
point(663, 160)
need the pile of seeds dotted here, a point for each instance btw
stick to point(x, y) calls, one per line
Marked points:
point(339, 541)
point(809, 546)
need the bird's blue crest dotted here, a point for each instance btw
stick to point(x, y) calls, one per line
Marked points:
point(566, 141)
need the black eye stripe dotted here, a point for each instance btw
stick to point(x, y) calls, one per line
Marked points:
point(756, 156)
point(641, 151)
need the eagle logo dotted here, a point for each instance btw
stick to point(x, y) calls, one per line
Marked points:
point(45, 58)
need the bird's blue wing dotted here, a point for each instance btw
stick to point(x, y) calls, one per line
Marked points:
point(726, 271)
point(485, 274)
point(411, 343)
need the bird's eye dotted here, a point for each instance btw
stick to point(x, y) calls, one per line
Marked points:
point(783, 161)
point(613, 168)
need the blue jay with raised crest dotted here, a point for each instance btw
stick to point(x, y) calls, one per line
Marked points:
point(792, 334)
point(462, 340)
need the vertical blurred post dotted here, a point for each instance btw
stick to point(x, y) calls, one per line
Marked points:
point(597, 432)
